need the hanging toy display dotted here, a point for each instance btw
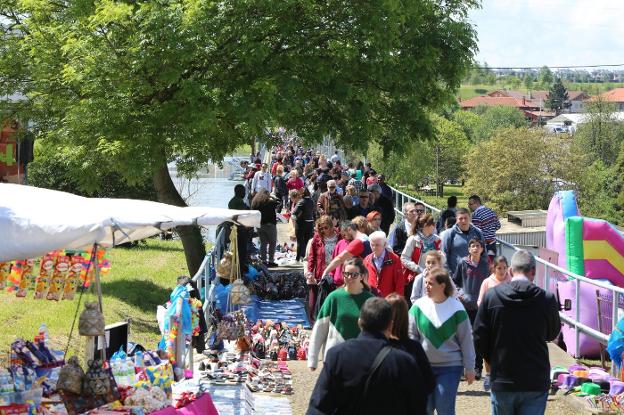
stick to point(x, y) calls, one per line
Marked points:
point(5, 271)
point(42, 285)
point(26, 281)
point(61, 270)
point(73, 278)
point(91, 322)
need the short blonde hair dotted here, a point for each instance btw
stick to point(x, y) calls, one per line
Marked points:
point(362, 224)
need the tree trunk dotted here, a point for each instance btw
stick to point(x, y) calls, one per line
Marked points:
point(440, 190)
point(194, 248)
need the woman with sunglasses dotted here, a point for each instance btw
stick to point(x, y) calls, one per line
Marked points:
point(337, 320)
point(323, 243)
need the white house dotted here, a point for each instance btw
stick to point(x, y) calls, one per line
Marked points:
point(572, 121)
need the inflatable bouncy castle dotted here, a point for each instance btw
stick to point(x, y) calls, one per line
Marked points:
point(590, 247)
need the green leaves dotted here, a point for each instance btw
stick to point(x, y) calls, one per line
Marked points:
point(517, 168)
point(194, 79)
point(557, 97)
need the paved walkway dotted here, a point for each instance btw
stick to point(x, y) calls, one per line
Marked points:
point(471, 399)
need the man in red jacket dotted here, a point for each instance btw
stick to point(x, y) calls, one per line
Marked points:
point(385, 271)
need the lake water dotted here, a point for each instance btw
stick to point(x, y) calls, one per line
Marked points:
point(206, 191)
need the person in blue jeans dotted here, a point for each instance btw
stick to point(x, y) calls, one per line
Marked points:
point(441, 325)
point(513, 323)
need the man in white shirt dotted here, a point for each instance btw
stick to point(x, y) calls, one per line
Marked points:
point(261, 180)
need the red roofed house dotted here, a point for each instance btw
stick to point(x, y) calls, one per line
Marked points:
point(531, 109)
point(577, 98)
point(616, 96)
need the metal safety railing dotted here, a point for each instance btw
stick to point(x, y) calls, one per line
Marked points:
point(400, 199)
point(548, 274)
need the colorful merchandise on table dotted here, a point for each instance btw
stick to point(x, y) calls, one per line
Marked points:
point(595, 385)
point(123, 368)
point(150, 399)
point(279, 285)
point(32, 374)
point(277, 341)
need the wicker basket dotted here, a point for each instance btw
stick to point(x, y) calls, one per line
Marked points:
point(91, 322)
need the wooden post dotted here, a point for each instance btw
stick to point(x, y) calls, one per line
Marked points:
point(98, 288)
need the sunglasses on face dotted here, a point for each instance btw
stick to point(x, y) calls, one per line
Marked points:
point(331, 187)
point(363, 197)
point(350, 274)
point(419, 211)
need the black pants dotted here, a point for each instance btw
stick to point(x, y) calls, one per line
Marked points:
point(472, 314)
point(304, 232)
point(407, 292)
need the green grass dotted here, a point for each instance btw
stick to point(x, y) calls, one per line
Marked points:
point(244, 150)
point(471, 91)
point(467, 91)
point(140, 279)
point(440, 202)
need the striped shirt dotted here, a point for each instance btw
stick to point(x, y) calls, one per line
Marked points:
point(486, 220)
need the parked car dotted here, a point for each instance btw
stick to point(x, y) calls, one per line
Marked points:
point(560, 130)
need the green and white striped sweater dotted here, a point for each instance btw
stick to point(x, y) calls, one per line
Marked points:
point(337, 321)
point(444, 331)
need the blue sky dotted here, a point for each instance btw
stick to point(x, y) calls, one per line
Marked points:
point(550, 32)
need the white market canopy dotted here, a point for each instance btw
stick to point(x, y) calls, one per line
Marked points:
point(35, 221)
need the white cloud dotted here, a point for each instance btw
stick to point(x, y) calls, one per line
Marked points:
point(554, 32)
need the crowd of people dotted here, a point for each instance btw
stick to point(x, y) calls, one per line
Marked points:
point(404, 312)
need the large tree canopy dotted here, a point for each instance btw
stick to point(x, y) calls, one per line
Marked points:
point(131, 85)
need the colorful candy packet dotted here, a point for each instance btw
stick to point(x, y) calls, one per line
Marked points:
point(46, 273)
point(5, 271)
point(61, 271)
point(74, 278)
point(27, 278)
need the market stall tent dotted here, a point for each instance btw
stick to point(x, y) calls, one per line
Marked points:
point(35, 221)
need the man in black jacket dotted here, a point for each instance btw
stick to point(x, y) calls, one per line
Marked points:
point(513, 324)
point(383, 205)
point(396, 387)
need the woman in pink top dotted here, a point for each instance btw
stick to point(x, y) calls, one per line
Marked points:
point(501, 275)
point(294, 181)
point(341, 246)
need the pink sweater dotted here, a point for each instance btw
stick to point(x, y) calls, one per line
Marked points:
point(491, 282)
point(340, 246)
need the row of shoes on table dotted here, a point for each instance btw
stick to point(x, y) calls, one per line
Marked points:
point(258, 375)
